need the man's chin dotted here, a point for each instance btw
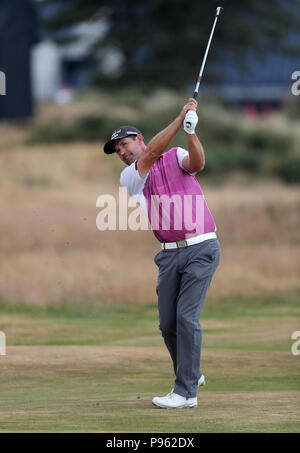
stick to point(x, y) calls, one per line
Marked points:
point(130, 161)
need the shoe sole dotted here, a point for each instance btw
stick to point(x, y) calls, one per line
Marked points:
point(178, 407)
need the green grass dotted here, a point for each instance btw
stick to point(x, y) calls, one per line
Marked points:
point(96, 367)
point(103, 324)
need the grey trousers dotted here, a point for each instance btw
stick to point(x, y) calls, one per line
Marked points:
point(183, 280)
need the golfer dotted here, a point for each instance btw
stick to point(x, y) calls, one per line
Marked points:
point(164, 183)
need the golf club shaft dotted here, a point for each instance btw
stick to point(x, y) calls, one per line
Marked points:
point(219, 9)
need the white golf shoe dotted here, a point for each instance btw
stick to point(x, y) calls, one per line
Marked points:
point(174, 401)
point(201, 380)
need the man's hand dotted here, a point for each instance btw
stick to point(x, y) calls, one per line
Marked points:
point(188, 116)
point(190, 122)
point(191, 104)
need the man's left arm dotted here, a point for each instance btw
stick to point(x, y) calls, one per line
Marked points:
point(195, 161)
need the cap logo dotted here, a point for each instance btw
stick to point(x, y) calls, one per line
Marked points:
point(115, 134)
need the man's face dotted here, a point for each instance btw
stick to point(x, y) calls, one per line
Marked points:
point(129, 149)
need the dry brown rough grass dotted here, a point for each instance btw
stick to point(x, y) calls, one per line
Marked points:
point(51, 250)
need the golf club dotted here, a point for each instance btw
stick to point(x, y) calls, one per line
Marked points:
point(218, 11)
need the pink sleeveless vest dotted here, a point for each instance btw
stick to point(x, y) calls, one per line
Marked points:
point(176, 205)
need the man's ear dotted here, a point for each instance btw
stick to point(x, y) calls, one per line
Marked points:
point(140, 139)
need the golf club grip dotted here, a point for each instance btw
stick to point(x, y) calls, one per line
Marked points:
point(194, 96)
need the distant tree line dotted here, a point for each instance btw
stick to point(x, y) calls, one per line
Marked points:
point(163, 41)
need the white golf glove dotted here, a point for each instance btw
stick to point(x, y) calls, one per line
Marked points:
point(190, 121)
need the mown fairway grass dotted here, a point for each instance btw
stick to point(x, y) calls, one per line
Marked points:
point(96, 367)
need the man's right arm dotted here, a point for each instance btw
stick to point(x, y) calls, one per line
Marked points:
point(158, 145)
